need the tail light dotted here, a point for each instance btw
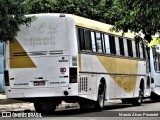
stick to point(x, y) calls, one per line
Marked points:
point(73, 75)
point(6, 77)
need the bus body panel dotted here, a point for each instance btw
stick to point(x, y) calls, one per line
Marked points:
point(41, 92)
point(155, 69)
point(49, 72)
point(40, 59)
point(122, 76)
point(40, 56)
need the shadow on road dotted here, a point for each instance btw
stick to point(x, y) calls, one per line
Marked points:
point(108, 109)
point(89, 112)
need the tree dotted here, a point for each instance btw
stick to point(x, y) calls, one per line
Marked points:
point(11, 17)
point(136, 16)
point(139, 16)
point(40, 6)
point(93, 9)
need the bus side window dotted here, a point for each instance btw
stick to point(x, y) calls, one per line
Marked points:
point(107, 46)
point(158, 62)
point(134, 48)
point(140, 49)
point(85, 39)
point(125, 47)
point(137, 49)
point(156, 58)
point(129, 46)
point(112, 44)
point(81, 39)
point(143, 50)
point(121, 45)
point(93, 41)
point(103, 43)
point(99, 42)
point(117, 46)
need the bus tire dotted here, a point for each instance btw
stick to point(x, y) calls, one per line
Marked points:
point(44, 107)
point(125, 101)
point(82, 104)
point(86, 105)
point(99, 104)
point(83, 107)
point(137, 101)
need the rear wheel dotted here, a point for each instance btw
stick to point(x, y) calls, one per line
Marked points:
point(138, 101)
point(86, 105)
point(99, 104)
point(44, 107)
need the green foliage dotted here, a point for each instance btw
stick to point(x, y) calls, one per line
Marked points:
point(11, 17)
point(136, 15)
point(93, 9)
point(40, 6)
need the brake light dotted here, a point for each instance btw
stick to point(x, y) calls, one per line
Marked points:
point(6, 77)
point(73, 75)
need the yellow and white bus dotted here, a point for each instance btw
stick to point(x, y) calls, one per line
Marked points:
point(71, 58)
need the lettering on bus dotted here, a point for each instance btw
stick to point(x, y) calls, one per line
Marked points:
point(39, 41)
point(42, 28)
point(62, 82)
point(17, 84)
point(63, 70)
point(63, 60)
point(51, 28)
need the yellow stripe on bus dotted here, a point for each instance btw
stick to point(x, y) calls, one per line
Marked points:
point(121, 66)
point(79, 62)
point(18, 61)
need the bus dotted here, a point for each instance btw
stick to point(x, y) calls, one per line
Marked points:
point(1, 68)
point(155, 69)
point(74, 59)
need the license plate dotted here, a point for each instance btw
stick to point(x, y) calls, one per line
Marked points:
point(39, 83)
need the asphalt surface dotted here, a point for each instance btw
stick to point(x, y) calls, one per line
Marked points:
point(113, 110)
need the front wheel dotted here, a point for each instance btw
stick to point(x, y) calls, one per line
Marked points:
point(99, 104)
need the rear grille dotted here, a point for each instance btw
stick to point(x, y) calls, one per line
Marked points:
point(83, 84)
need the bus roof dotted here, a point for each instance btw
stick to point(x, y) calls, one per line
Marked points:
point(90, 24)
point(99, 26)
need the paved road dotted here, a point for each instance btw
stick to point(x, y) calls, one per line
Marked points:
point(112, 111)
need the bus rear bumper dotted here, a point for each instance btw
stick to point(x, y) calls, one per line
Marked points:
point(71, 90)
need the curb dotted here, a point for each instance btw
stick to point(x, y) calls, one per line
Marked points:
point(9, 101)
point(4, 100)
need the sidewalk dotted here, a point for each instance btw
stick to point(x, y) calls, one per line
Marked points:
point(15, 105)
point(4, 100)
